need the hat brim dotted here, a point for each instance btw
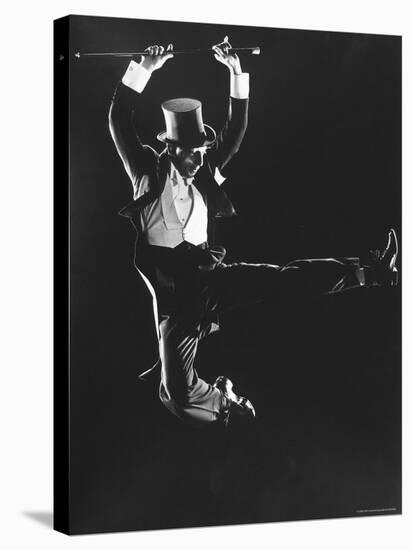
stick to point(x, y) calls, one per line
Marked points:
point(204, 141)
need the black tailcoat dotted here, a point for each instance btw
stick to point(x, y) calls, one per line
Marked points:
point(148, 170)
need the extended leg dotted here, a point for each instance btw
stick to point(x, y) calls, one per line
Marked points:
point(236, 285)
point(241, 284)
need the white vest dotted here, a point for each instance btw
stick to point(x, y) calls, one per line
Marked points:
point(161, 223)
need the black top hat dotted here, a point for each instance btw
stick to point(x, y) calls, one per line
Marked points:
point(184, 124)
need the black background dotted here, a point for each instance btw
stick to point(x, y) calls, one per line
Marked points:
point(318, 175)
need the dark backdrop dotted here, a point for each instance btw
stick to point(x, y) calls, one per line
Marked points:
point(318, 175)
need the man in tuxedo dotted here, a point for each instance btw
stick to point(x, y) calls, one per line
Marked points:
point(177, 195)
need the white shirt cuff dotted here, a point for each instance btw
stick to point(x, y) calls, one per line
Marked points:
point(239, 85)
point(136, 77)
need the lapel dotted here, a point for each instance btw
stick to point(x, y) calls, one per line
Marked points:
point(218, 202)
point(157, 183)
point(162, 168)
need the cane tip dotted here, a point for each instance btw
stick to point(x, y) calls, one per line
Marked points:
point(256, 51)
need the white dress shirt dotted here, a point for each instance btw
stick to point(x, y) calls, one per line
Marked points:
point(179, 214)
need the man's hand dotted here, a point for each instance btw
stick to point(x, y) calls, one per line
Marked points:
point(223, 55)
point(156, 57)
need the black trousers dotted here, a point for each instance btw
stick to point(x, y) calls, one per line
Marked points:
point(200, 294)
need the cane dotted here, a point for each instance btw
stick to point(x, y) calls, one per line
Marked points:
point(253, 51)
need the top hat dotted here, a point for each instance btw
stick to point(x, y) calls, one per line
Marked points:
point(184, 124)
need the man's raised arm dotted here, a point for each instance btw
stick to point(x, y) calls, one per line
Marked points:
point(231, 135)
point(137, 158)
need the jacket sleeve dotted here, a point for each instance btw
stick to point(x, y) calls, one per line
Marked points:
point(138, 159)
point(230, 137)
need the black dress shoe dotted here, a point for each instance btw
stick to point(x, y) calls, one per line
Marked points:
point(236, 404)
point(382, 270)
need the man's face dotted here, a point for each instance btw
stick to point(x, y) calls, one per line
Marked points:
point(188, 161)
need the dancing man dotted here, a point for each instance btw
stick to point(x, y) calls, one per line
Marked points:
point(177, 196)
